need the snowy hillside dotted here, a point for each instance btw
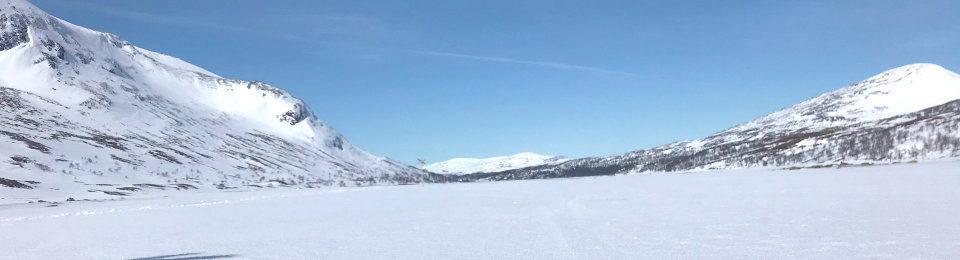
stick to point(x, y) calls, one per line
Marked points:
point(80, 107)
point(907, 113)
point(894, 92)
point(493, 164)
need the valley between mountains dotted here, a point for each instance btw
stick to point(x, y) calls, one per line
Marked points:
point(87, 114)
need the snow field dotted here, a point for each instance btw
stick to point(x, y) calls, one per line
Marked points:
point(898, 211)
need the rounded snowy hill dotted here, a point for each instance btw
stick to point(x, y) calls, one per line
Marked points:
point(894, 92)
point(82, 106)
point(493, 164)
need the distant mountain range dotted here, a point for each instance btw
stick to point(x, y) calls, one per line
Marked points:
point(86, 111)
point(80, 107)
point(903, 114)
point(494, 164)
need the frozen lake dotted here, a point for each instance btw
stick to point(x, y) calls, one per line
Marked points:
point(895, 212)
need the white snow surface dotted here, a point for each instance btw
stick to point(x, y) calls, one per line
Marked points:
point(493, 164)
point(905, 211)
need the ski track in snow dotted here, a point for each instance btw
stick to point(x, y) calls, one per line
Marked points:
point(134, 208)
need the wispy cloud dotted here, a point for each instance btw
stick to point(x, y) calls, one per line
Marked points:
point(180, 21)
point(547, 64)
point(175, 20)
point(352, 25)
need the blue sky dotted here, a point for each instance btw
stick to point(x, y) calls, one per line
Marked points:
point(445, 79)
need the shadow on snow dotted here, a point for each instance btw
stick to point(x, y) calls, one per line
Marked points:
point(187, 256)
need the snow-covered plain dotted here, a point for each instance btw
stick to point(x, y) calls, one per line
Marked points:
point(895, 212)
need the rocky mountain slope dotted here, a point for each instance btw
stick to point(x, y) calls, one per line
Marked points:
point(80, 107)
point(493, 164)
point(907, 113)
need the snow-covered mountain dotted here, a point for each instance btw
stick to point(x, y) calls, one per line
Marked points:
point(493, 164)
point(894, 92)
point(80, 107)
point(907, 113)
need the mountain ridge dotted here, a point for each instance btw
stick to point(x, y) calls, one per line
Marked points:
point(830, 128)
point(85, 107)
